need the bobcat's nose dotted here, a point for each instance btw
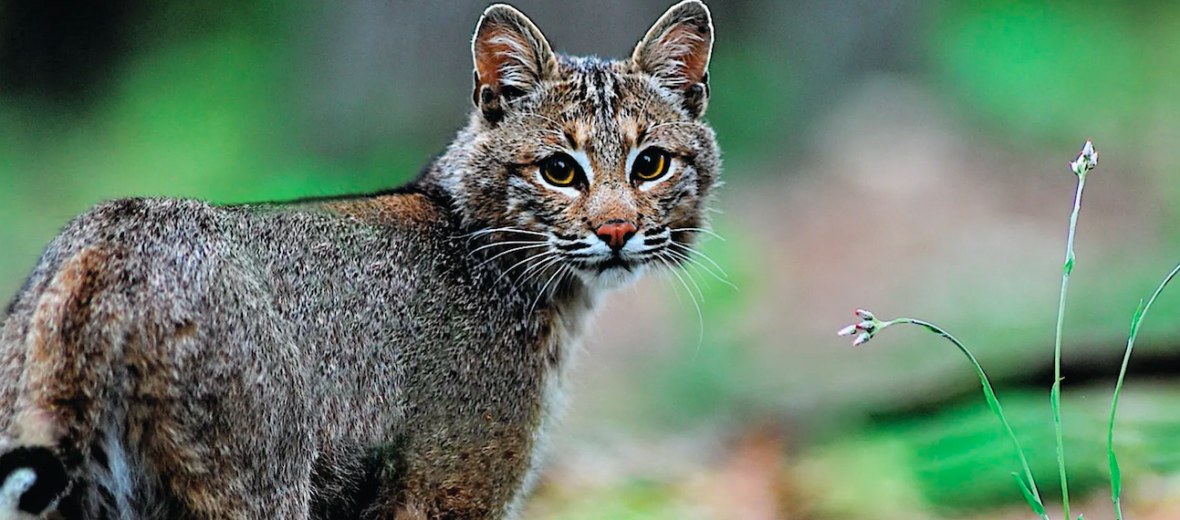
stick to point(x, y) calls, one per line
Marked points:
point(615, 233)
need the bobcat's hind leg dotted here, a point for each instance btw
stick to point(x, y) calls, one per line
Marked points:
point(113, 369)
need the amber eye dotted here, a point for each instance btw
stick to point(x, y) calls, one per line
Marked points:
point(560, 170)
point(650, 165)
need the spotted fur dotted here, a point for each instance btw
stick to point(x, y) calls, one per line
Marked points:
point(389, 356)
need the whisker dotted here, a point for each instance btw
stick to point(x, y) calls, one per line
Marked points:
point(686, 272)
point(503, 229)
point(698, 264)
point(546, 286)
point(664, 280)
point(502, 253)
point(542, 254)
point(536, 270)
point(701, 230)
point(507, 243)
point(700, 315)
point(693, 280)
point(569, 273)
point(665, 267)
point(700, 253)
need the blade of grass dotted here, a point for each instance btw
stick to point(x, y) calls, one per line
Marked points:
point(1028, 486)
point(1033, 501)
point(1055, 394)
point(1116, 480)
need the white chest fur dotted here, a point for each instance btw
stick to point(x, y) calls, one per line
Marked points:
point(565, 346)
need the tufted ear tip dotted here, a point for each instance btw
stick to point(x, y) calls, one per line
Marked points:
point(499, 13)
point(690, 9)
point(511, 56)
point(676, 52)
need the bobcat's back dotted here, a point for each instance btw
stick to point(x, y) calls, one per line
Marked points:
point(314, 326)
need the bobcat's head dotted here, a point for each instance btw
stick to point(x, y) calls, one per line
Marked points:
point(587, 167)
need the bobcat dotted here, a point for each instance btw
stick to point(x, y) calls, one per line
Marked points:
point(397, 355)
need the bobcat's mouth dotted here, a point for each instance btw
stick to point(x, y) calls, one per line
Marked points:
point(614, 262)
point(600, 265)
point(611, 273)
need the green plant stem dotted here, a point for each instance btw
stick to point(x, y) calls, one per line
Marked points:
point(1055, 394)
point(1140, 313)
point(993, 403)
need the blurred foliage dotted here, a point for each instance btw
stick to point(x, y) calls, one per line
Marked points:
point(199, 113)
point(958, 460)
point(1054, 72)
point(754, 96)
point(1046, 70)
point(627, 500)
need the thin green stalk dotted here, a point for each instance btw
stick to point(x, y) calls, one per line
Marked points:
point(1027, 484)
point(1055, 394)
point(869, 326)
point(1116, 483)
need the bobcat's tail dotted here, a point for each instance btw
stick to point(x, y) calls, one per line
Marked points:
point(32, 480)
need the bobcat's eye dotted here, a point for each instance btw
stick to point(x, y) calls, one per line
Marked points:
point(650, 164)
point(560, 170)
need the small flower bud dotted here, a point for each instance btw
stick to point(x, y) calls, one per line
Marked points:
point(868, 326)
point(1087, 159)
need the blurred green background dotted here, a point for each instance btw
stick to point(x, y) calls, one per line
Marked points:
point(905, 156)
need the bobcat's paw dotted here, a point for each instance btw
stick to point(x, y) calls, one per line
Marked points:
point(31, 480)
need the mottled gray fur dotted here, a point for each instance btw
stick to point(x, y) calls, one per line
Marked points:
point(396, 355)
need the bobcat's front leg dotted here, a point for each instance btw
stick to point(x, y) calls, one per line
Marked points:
point(478, 474)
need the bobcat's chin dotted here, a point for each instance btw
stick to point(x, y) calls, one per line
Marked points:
point(611, 274)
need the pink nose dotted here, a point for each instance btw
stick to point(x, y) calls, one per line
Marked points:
point(615, 233)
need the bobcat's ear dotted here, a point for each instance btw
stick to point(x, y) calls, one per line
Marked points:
point(676, 51)
point(511, 58)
